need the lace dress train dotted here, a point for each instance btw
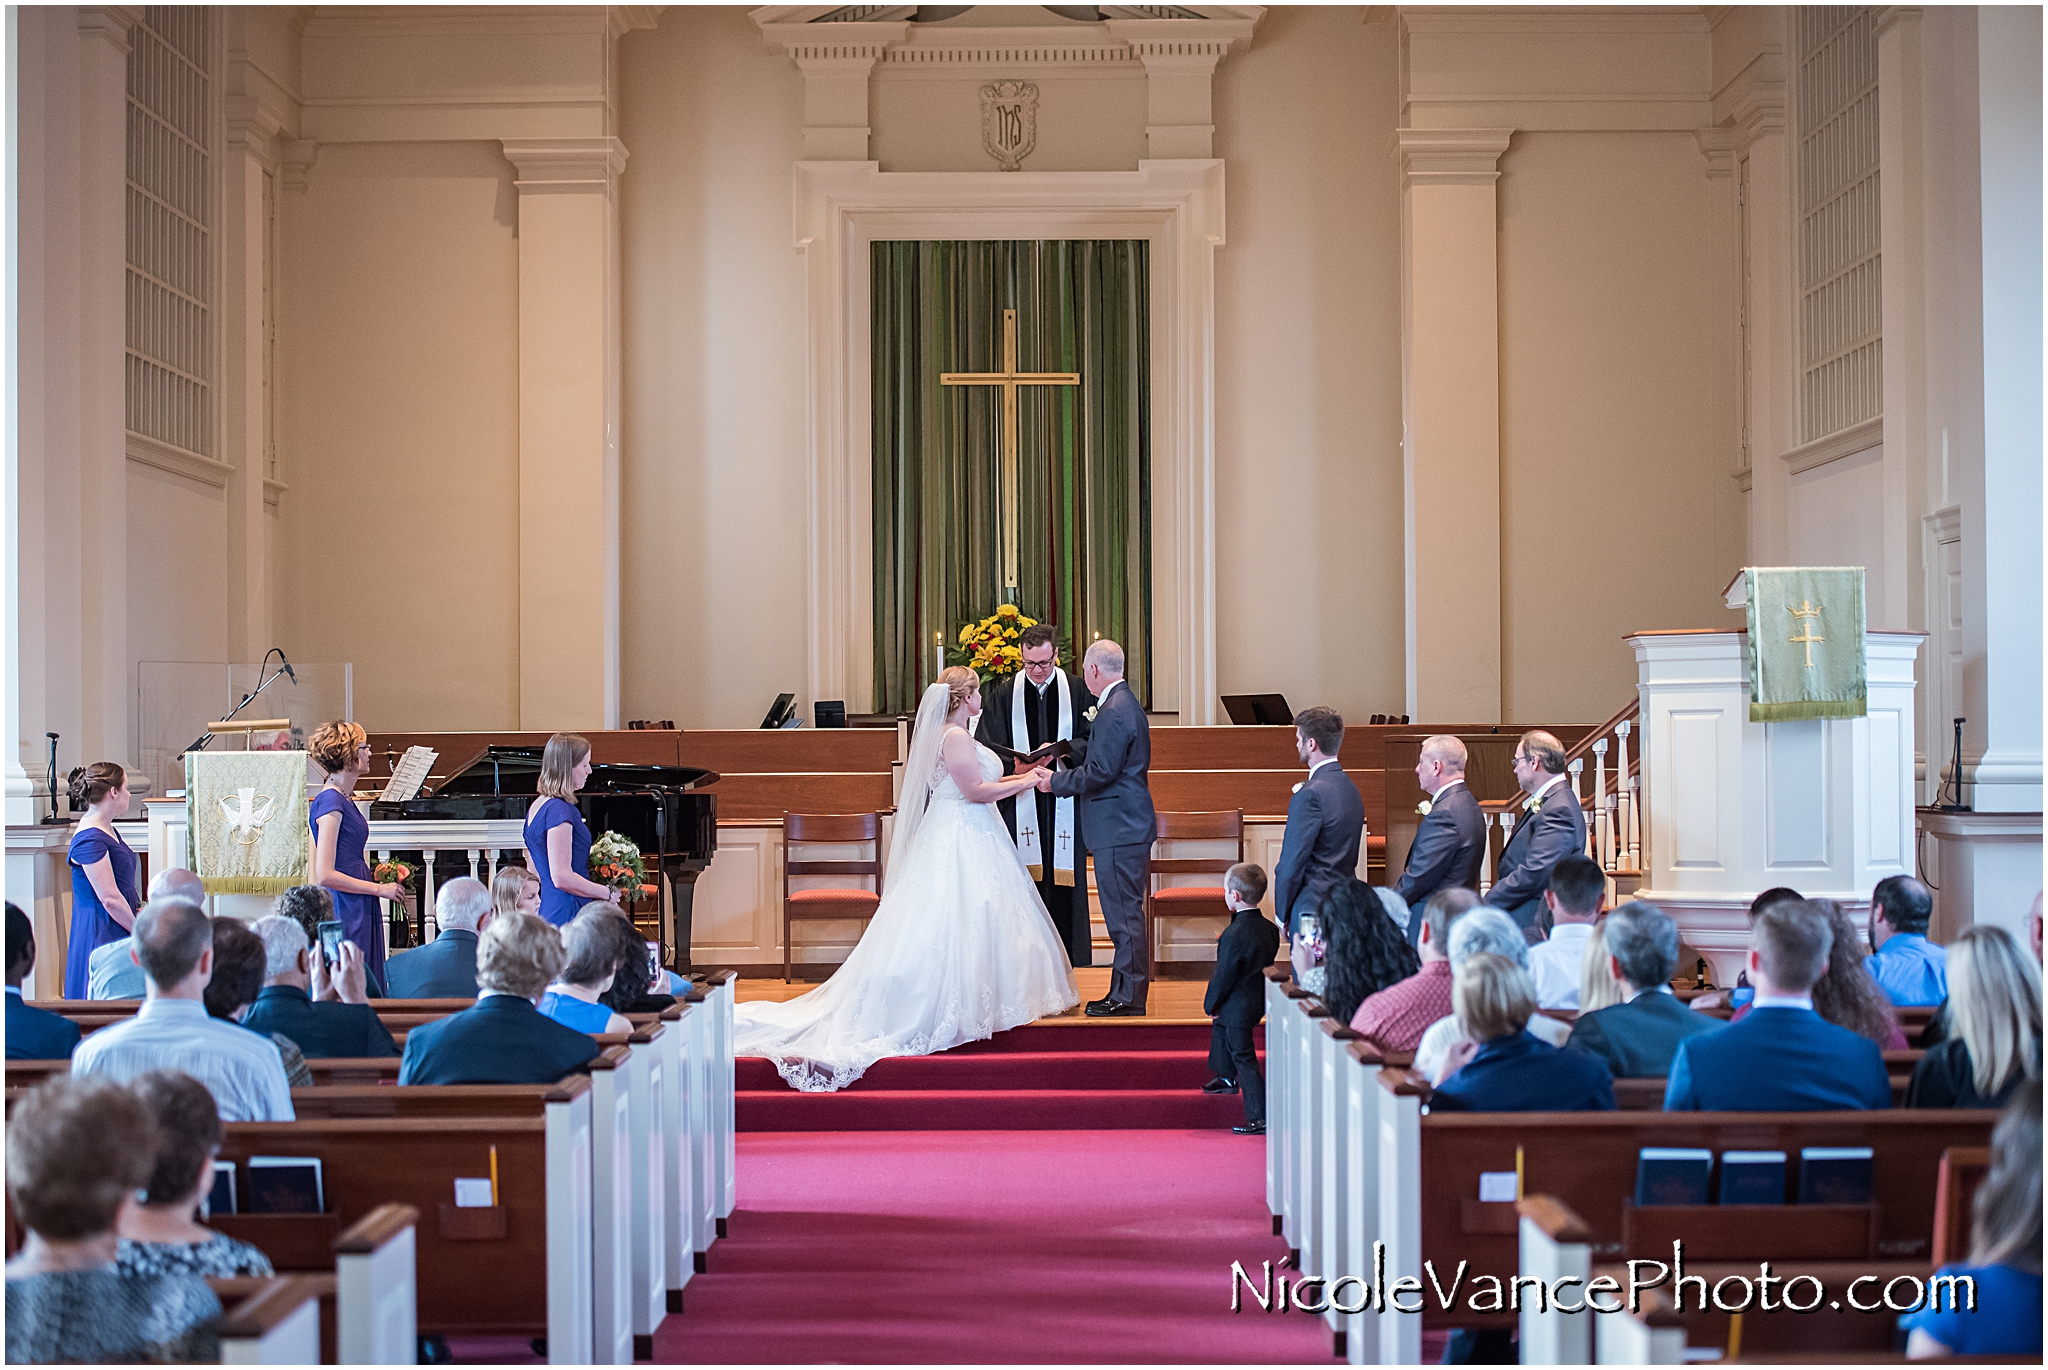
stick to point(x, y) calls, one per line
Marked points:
point(959, 949)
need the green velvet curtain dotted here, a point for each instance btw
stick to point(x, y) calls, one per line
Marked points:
point(1084, 499)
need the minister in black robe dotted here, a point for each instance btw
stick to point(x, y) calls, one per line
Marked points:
point(1068, 904)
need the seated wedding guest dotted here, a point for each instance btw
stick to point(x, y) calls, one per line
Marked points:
point(77, 1152)
point(1451, 838)
point(1639, 1035)
point(1598, 987)
point(640, 986)
point(1741, 992)
point(515, 889)
point(33, 1034)
point(1236, 997)
point(1911, 970)
point(172, 1030)
point(113, 972)
point(1577, 887)
point(1395, 1018)
point(104, 900)
point(1325, 821)
point(345, 1025)
point(445, 968)
point(309, 906)
point(161, 1234)
point(1550, 827)
point(504, 1039)
point(1484, 931)
point(239, 961)
point(1783, 1057)
point(1366, 950)
point(1500, 1067)
point(1847, 995)
point(2005, 1254)
point(1994, 1010)
point(596, 944)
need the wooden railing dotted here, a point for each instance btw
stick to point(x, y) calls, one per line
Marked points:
point(1614, 809)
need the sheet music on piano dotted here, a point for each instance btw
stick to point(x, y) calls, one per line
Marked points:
point(410, 773)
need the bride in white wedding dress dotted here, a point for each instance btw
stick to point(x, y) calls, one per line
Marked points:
point(960, 947)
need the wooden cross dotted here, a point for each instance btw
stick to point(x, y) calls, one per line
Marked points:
point(1009, 378)
point(1806, 613)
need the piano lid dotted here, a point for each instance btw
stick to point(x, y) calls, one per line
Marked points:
point(516, 770)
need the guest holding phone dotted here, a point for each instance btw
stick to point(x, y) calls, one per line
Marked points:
point(557, 838)
point(340, 834)
point(104, 897)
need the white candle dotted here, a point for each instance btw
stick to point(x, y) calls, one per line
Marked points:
point(938, 655)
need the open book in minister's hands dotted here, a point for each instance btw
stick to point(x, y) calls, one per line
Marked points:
point(1051, 752)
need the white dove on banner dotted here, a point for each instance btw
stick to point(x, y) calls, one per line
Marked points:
point(246, 820)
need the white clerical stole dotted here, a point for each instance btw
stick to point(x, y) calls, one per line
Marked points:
point(1029, 839)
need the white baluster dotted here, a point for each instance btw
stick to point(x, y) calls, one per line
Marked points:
point(1629, 837)
point(1485, 855)
point(1603, 851)
point(1577, 768)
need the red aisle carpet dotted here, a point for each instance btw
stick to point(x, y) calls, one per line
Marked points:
point(990, 1247)
point(1064, 1075)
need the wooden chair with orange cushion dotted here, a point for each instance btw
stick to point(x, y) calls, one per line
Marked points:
point(1191, 901)
point(827, 904)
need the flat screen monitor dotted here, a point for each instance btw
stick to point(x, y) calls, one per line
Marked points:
point(780, 712)
point(828, 713)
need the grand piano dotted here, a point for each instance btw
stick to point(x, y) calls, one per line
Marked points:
point(662, 809)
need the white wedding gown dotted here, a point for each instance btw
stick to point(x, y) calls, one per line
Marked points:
point(959, 949)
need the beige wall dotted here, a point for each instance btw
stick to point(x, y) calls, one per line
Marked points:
point(1308, 367)
point(712, 466)
point(1617, 510)
point(401, 422)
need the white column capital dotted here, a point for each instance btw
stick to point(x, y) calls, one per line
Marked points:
point(110, 22)
point(297, 159)
point(256, 123)
point(1718, 146)
point(1451, 156)
point(1890, 16)
point(565, 166)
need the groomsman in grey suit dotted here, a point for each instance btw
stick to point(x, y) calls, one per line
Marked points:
point(1550, 827)
point(1452, 836)
point(1117, 823)
point(1325, 821)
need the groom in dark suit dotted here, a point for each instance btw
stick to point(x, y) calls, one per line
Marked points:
point(1325, 821)
point(1046, 696)
point(1118, 823)
point(1452, 836)
point(1550, 827)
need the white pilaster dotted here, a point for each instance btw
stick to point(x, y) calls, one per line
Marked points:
point(836, 59)
point(568, 430)
point(250, 156)
point(1180, 57)
point(2002, 567)
point(1450, 402)
point(1901, 188)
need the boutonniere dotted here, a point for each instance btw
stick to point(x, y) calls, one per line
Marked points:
point(1424, 807)
point(1089, 714)
point(1531, 804)
point(1297, 787)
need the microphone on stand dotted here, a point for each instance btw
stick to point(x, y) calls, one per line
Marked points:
point(286, 662)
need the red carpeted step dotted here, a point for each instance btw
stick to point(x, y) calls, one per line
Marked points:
point(1009, 1110)
point(1117, 1034)
point(1096, 1070)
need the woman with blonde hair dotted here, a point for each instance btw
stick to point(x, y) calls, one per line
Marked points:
point(1501, 1067)
point(557, 838)
point(341, 836)
point(104, 894)
point(1598, 987)
point(1994, 1020)
point(960, 947)
point(515, 889)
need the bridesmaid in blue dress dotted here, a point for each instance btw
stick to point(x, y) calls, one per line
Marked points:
point(104, 896)
point(557, 838)
point(340, 835)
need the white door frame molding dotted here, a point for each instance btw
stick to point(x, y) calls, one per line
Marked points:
point(1177, 206)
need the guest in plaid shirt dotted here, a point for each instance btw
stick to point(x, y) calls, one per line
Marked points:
point(1396, 1017)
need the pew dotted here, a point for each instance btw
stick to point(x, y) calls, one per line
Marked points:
point(376, 1274)
point(272, 1319)
point(1647, 1091)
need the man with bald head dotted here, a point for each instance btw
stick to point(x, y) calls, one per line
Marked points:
point(113, 972)
point(1549, 827)
point(1912, 971)
point(1452, 836)
point(1117, 823)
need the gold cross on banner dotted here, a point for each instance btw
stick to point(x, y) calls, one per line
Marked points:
point(1807, 613)
point(1009, 378)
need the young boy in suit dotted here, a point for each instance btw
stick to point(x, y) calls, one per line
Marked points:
point(1237, 995)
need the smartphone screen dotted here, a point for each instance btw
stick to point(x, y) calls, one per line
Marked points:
point(330, 941)
point(655, 979)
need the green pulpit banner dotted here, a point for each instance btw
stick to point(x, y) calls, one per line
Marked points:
point(1806, 643)
point(245, 820)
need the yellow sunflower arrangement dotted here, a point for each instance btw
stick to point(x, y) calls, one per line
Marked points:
point(990, 646)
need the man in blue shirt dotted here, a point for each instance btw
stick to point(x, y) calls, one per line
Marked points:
point(33, 1034)
point(1908, 967)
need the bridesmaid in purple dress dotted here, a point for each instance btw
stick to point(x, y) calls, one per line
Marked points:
point(340, 835)
point(557, 838)
point(104, 896)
